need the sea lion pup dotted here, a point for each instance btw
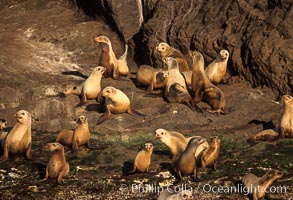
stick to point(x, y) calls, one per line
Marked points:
point(185, 164)
point(170, 194)
point(142, 159)
point(176, 142)
point(90, 88)
point(115, 102)
point(287, 118)
point(167, 51)
point(266, 135)
point(151, 78)
point(3, 124)
point(217, 69)
point(114, 67)
point(19, 139)
point(202, 87)
point(80, 136)
point(257, 186)
point(210, 155)
point(57, 166)
point(175, 90)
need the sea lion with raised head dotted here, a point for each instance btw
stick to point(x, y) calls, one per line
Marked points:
point(114, 67)
point(57, 166)
point(286, 129)
point(217, 69)
point(80, 136)
point(258, 186)
point(19, 139)
point(185, 164)
point(167, 51)
point(90, 88)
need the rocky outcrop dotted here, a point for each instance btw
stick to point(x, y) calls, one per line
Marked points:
point(257, 34)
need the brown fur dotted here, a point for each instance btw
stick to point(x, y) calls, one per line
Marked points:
point(143, 158)
point(258, 185)
point(168, 51)
point(115, 102)
point(57, 166)
point(217, 69)
point(80, 136)
point(287, 118)
point(175, 90)
point(90, 88)
point(203, 89)
point(210, 155)
point(187, 76)
point(19, 139)
point(114, 67)
point(265, 135)
point(151, 77)
point(185, 164)
point(176, 142)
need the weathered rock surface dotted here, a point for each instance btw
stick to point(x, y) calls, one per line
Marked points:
point(258, 34)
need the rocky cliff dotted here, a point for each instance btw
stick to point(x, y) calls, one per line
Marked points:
point(258, 34)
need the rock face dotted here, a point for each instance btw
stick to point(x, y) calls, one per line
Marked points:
point(258, 34)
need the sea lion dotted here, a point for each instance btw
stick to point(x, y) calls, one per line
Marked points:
point(80, 136)
point(143, 159)
point(170, 194)
point(258, 186)
point(175, 90)
point(151, 78)
point(185, 164)
point(90, 88)
point(115, 102)
point(167, 51)
point(202, 87)
point(287, 118)
point(176, 142)
point(266, 135)
point(210, 155)
point(217, 69)
point(3, 124)
point(19, 139)
point(57, 166)
point(114, 67)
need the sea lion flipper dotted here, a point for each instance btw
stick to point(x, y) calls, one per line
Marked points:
point(134, 112)
point(104, 117)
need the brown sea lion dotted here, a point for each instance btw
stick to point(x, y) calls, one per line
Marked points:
point(143, 158)
point(266, 135)
point(168, 51)
point(114, 67)
point(90, 88)
point(187, 76)
point(210, 155)
point(287, 118)
point(258, 186)
point(176, 142)
point(202, 87)
point(80, 136)
point(151, 78)
point(116, 102)
point(176, 90)
point(217, 69)
point(19, 139)
point(57, 166)
point(185, 164)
